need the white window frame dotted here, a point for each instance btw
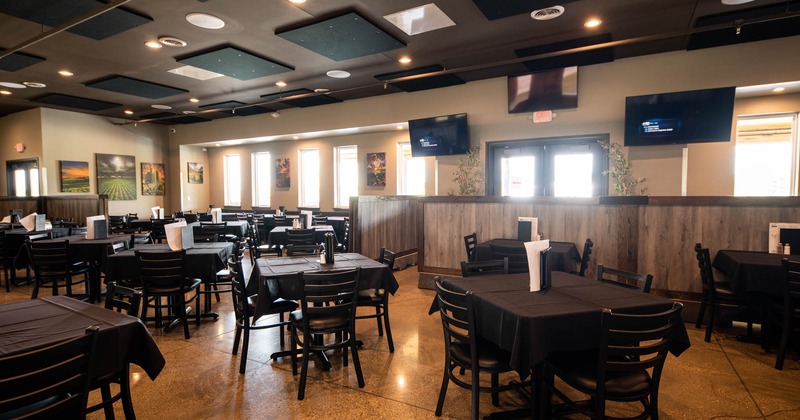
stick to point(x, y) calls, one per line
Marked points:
point(307, 161)
point(795, 147)
point(261, 168)
point(232, 183)
point(403, 159)
point(340, 153)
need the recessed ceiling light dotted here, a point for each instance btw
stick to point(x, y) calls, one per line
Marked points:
point(161, 106)
point(296, 137)
point(194, 100)
point(297, 1)
point(66, 73)
point(280, 84)
point(217, 144)
point(171, 41)
point(37, 85)
point(187, 112)
point(154, 44)
point(593, 23)
point(399, 127)
point(735, 2)
point(12, 85)
point(205, 21)
point(420, 19)
point(404, 60)
point(5, 92)
point(779, 89)
point(128, 112)
point(321, 90)
point(338, 74)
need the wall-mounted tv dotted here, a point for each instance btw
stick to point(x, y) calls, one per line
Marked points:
point(544, 90)
point(696, 116)
point(439, 136)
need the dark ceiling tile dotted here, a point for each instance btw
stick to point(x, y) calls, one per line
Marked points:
point(252, 110)
point(424, 83)
point(235, 63)
point(285, 94)
point(341, 38)
point(227, 104)
point(583, 58)
point(74, 102)
point(309, 101)
point(157, 115)
point(495, 9)
point(141, 88)
point(17, 61)
point(186, 119)
point(757, 31)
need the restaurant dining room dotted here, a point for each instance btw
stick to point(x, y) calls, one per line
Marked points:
point(400, 209)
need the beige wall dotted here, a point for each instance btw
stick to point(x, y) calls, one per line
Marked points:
point(602, 92)
point(194, 197)
point(22, 127)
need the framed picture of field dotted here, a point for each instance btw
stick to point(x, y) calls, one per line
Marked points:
point(195, 170)
point(116, 177)
point(74, 176)
point(153, 178)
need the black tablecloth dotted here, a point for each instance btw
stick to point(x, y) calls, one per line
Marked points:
point(751, 271)
point(233, 227)
point(32, 324)
point(530, 325)
point(80, 248)
point(277, 236)
point(202, 261)
point(564, 255)
point(274, 278)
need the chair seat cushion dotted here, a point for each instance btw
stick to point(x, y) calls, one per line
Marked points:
point(278, 305)
point(580, 367)
point(320, 324)
point(370, 297)
point(489, 355)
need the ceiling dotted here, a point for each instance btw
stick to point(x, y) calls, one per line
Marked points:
point(268, 41)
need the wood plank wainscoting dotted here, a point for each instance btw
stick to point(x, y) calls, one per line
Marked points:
point(75, 207)
point(644, 234)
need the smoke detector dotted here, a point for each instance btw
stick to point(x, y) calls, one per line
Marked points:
point(547, 13)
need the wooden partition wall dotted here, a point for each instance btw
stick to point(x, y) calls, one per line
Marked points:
point(383, 221)
point(75, 207)
point(653, 235)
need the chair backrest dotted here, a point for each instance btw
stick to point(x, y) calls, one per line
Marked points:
point(470, 241)
point(387, 257)
point(77, 230)
point(586, 256)
point(300, 236)
point(161, 268)
point(158, 226)
point(189, 217)
point(241, 306)
point(319, 220)
point(53, 381)
point(117, 222)
point(706, 273)
point(204, 217)
point(280, 220)
point(133, 216)
point(329, 295)
point(458, 319)
point(49, 259)
point(123, 299)
point(623, 278)
point(482, 268)
point(635, 342)
point(517, 257)
point(140, 239)
point(791, 292)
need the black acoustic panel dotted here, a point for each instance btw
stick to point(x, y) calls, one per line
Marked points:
point(342, 37)
point(74, 102)
point(309, 101)
point(157, 115)
point(424, 83)
point(227, 104)
point(497, 9)
point(776, 28)
point(186, 119)
point(17, 61)
point(584, 58)
point(235, 63)
point(135, 87)
point(253, 110)
point(285, 94)
point(54, 13)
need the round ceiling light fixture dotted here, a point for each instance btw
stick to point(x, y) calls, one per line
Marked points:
point(171, 41)
point(321, 90)
point(161, 106)
point(5, 92)
point(280, 84)
point(153, 44)
point(338, 74)
point(593, 23)
point(128, 112)
point(404, 60)
point(187, 112)
point(547, 13)
point(194, 100)
point(66, 73)
point(37, 85)
point(735, 2)
point(205, 21)
point(12, 85)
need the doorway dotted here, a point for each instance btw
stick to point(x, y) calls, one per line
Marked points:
point(22, 177)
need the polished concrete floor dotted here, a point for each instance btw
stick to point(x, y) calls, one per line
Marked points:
point(723, 379)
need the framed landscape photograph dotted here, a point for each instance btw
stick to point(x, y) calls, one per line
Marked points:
point(376, 169)
point(153, 179)
point(195, 171)
point(116, 177)
point(74, 176)
point(282, 173)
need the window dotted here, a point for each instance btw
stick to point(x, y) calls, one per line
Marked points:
point(309, 178)
point(411, 171)
point(345, 166)
point(262, 167)
point(766, 156)
point(233, 180)
point(559, 167)
point(23, 178)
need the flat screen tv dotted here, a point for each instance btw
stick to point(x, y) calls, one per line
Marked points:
point(439, 136)
point(544, 90)
point(696, 116)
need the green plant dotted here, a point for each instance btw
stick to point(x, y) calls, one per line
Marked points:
point(469, 174)
point(620, 168)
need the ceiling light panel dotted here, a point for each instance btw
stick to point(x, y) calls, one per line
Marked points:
point(420, 19)
point(205, 21)
point(194, 73)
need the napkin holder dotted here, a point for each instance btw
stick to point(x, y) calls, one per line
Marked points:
point(527, 229)
point(29, 222)
point(539, 275)
point(179, 236)
point(305, 218)
point(96, 227)
point(216, 215)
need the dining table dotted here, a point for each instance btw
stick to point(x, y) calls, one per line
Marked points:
point(564, 256)
point(751, 271)
point(123, 339)
point(278, 235)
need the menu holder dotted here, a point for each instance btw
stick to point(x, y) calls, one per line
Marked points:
point(307, 215)
point(534, 250)
point(92, 227)
point(179, 236)
point(40, 222)
point(216, 215)
point(527, 229)
point(29, 222)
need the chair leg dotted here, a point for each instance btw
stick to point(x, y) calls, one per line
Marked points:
point(784, 342)
point(712, 307)
point(443, 389)
point(495, 385)
point(301, 390)
point(245, 346)
point(108, 407)
point(282, 329)
point(197, 309)
point(475, 393)
point(293, 353)
point(378, 318)
point(356, 361)
point(236, 338)
point(388, 327)
point(701, 314)
point(180, 310)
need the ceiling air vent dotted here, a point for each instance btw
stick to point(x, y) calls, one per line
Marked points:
point(547, 13)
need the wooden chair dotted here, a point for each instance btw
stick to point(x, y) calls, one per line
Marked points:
point(586, 256)
point(470, 242)
point(125, 300)
point(140, 239)
point(159, 236)
point(49, 382)
point(463, 350)
point(53, 267)
point(220, 229)
point(117, 224)
point(789, 310)
point(716, 293)
point(7, 260)
point(319, 220)
point(626, 366)
point(162, 277)
point(281, 220)
point(480, 268)
point(301, 240)
point(328, 306)
point(517, 257)
point(379, 300)
point(641, 282)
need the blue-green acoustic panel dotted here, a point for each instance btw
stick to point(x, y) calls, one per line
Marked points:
point(74, 102)
point(126, 85)
point(17, 61)
point(235, 63)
